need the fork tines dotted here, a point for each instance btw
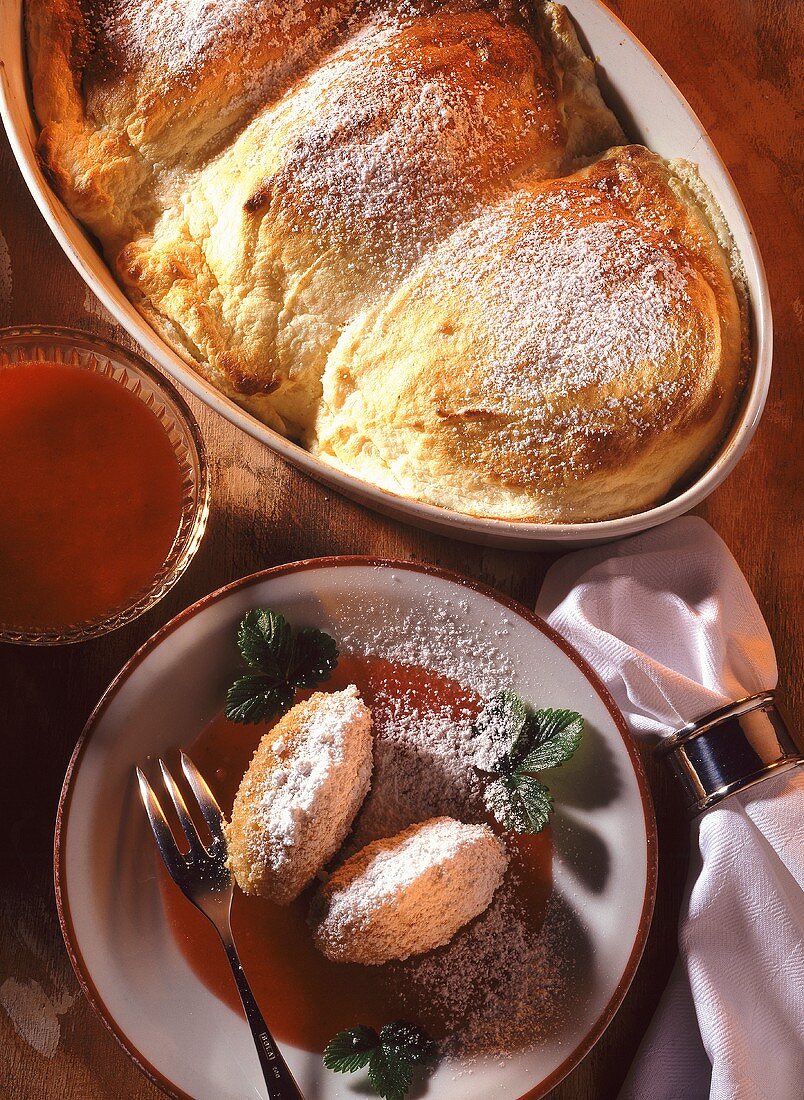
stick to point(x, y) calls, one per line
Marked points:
point(162, 831)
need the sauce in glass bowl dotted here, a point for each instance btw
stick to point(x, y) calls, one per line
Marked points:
point(103, 487)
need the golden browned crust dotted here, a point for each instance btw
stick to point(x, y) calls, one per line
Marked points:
point(566, 355)
point(269, 179)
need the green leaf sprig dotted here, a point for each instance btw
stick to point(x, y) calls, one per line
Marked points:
point(279, 662)
point(391, 1055)
point(531, 741)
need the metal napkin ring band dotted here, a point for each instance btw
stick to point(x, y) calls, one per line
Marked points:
point(730, 750)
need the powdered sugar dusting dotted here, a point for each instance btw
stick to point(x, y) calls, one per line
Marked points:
point(499, 984)
point(502, 981)
point(394, 868)
point(569, 303)
point(395, 149)
point(177, 41)
point(426, 762)
point(447, 641)
point(396, 865)
point(290, 793)
point(181, 34)
point(408, 894)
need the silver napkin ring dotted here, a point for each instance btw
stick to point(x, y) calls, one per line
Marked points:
point(730, 750)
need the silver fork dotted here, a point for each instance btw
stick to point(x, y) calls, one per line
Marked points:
point(204, 878)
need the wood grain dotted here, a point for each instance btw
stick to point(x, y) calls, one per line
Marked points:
point(739, 66)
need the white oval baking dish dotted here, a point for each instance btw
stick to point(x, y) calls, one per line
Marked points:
point(651, 110)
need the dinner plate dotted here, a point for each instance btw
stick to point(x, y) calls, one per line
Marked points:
point(651, 110)
point(110, 905)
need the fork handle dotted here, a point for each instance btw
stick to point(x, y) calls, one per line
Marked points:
point(278, 1077)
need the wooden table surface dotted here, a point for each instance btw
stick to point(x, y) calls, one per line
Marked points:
point(737, 64)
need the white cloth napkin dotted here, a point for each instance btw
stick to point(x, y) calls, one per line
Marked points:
point(670, 625)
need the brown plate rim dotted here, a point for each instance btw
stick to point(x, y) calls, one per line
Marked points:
point(82, 973)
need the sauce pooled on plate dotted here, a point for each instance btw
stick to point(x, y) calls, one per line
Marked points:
point(307, 998)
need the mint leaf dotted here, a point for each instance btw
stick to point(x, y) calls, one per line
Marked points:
point(391, 1073)
point(255, 697)
point(410, 1039)
point(530, 741)
point(504, 719)
point(390, 1056)
point(351, 1050)
point(313, 657)
point(264, 640)
point(281, 662)
point(520, 803)
point(556, 735)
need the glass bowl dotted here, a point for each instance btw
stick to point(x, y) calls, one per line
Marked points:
point(60, 345)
